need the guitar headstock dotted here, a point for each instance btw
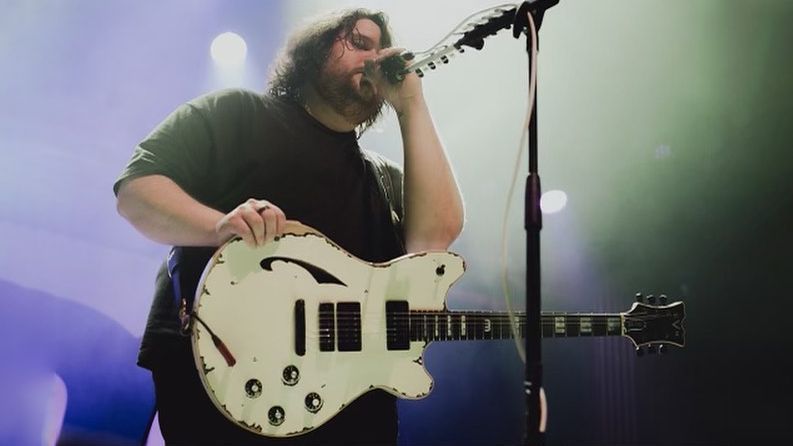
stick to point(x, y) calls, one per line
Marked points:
point(470, 33)
point(487, 23)
point(655, 326)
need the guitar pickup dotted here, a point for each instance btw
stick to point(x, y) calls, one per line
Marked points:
point(327, 327)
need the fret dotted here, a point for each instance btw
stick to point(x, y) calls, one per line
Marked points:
point(614, 325)
point(455, 325)
point(600, 327)
point(572, 325)
point(435, 327)
point(462, 326)
point(478, 327)
point(442, 327)
point(547, 328)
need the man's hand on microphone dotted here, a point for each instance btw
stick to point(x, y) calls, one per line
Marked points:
point(402, 95)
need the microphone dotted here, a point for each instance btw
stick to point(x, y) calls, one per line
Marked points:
point(395, 67)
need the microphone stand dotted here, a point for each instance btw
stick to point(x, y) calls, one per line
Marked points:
point(533, 225)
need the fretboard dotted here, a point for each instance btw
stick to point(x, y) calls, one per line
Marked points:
point(479, 325)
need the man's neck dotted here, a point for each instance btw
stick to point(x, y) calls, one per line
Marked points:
point(324, 113)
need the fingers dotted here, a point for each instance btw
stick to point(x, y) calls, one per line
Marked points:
point(256, 221)
point(273, 219)
point(385, 53)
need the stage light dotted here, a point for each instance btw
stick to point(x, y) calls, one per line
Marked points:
point(229, 50)
point(553, 201)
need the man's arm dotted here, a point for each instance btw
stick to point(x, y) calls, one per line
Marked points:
point(433, 206)
point(434, 211)
point(165, 213)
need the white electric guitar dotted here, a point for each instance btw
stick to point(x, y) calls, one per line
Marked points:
point(287, 334)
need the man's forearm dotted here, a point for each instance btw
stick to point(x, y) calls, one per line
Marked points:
point(433, 206)
point(163, 212)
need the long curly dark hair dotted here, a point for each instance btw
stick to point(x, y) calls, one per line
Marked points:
point(307, 50)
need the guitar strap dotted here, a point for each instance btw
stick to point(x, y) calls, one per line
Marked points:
point(388, 178)
point(181, 301)
point(389, 181)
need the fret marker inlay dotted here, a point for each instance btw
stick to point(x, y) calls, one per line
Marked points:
point(559, 325)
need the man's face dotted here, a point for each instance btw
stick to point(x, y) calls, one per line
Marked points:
point(342, 82)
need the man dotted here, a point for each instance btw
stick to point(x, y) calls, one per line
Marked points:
point(236, 163)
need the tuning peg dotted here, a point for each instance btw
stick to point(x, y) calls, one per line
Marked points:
point(639, 297)
point(663, 299)
point(639, 351)
point(651, 299)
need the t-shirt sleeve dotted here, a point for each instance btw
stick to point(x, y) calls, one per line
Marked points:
point(179, 148)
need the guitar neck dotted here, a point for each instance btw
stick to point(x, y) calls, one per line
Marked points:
point(483, 325)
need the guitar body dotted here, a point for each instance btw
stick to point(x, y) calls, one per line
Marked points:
point(305, 323)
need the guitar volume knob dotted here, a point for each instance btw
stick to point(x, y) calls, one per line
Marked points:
point(313, 402)
point(253, 388)
point(276, 415)
point(291, 375)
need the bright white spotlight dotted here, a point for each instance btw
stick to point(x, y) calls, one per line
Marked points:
point(553, 201)
point(229, 50)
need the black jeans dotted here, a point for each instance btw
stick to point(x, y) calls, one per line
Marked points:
point(189, 418)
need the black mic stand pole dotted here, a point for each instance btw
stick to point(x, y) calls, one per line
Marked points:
point(533, 225)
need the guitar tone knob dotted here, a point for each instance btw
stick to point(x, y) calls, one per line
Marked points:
point(663, 299)
point(313, 402)
point(276, 415)
point(651, 299)
point(639, 352)
point(639, 297)
point(662, 349)
point(253, 388)
point(291, 375)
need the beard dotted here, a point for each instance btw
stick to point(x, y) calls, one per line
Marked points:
point(358, 101)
